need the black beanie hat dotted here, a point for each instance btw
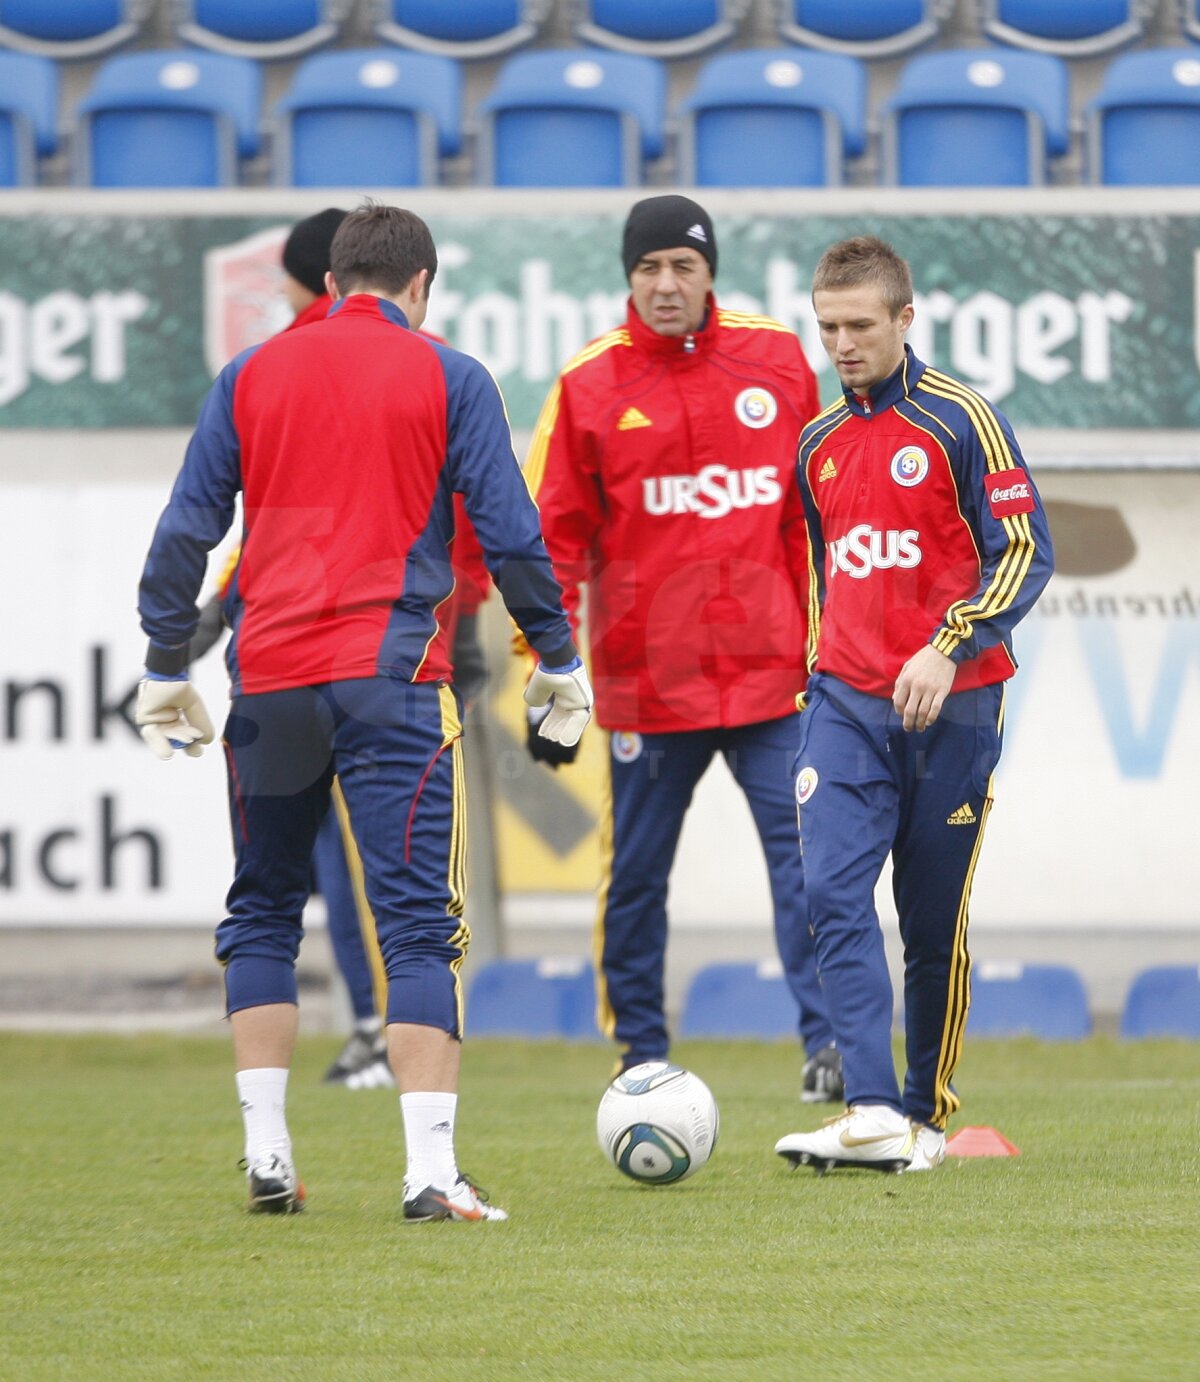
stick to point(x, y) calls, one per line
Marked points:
point(306, 250)
point(666, 223)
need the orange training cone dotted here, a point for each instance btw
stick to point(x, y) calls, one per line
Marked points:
point(980, 1142)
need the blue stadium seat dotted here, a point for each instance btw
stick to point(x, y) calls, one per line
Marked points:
point(571, 118)
point(369, 117)
point(464, 29)
point(975, 117)
point(865, 28)
point(1191, 19)
point(773, 117)
point(1047, 1001)
point(1143, 128)
point(533, 998)
point(740, 1000)
point(1068, 28)
point(665, 29)
point(70, 28)
point(1163, 1002)
point(28, 116)
point(261, 29)
point(173, 118)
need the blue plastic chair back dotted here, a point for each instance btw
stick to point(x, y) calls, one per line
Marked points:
point(261, 29)
point(664, 29)
point(1047, 1001)
point(461, 22)
point(463, 29)
point(776, 117)
point(574, 118)
point(29, 98)
point(1163, 1002)
point(533, 998)
point(740, 1000)
point(358, 148)
point(1144, 125)
point(263, 21)
point(662, 20)
point(373, 117)
point(975, 118)
point(170, 119)
point(69, 28)
point(1066, 27)
point(866, 28)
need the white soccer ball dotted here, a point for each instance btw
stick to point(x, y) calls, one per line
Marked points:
point(657, 1123)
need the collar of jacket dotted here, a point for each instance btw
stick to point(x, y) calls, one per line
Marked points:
point(888, 392)
point(691, 346)
point(367, 305)
point(316, 311)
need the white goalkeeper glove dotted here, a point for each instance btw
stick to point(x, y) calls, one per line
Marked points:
point(172, 716)
point(568, 693)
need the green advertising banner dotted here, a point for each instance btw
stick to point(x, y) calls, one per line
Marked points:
point(1063, 320)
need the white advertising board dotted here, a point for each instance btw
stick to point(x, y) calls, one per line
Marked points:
point(1096, 821)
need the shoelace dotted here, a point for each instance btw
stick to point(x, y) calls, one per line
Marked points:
point(477, 1190)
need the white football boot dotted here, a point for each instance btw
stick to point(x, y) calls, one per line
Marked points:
point(274, 1187)
point(929, 1148)
point(873, 1136)
point(463, 1203)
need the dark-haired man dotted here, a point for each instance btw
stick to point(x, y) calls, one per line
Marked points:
point(348, 441)
point(661, 464)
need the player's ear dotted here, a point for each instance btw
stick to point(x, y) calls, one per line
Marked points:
point(906, 317)
point(331, 285)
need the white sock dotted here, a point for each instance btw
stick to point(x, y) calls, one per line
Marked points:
point(263, 1095)
point(429, 1138)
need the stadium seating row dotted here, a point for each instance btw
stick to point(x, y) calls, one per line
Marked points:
point(271, 29)
point(556, 998)
point(779, 117)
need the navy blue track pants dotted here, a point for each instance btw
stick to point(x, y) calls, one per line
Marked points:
point(342, 917)
point(865, 789)
point(396, 750)
point(653, 777)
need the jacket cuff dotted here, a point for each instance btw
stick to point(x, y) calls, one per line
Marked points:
point(168, 662)
point(559, 655)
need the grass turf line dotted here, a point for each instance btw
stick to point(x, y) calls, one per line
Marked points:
point(126, 1252)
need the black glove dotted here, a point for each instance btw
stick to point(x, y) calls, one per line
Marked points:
point(545, 750)
point(470, 665)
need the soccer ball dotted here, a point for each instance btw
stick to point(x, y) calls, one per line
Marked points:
point(657, 1123)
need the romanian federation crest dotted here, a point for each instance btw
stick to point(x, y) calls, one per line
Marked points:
point(755, 407)
point(806, 784)
point(910, 465)
point(626, 746)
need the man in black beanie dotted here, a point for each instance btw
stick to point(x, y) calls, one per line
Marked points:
point(662, 465)
point(306, 262)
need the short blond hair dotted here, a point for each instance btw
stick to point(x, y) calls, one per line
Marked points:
point(866, 259)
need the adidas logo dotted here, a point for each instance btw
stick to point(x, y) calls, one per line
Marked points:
point(963, 816)
point(631, 418)
point(697, 233)
point(828, 470)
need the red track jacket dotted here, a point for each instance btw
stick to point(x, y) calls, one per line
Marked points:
point(663, 469)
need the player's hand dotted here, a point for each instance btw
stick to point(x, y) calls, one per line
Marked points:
point(543, 750)
point(172, 716)
point(568, 693)
point(922, 687)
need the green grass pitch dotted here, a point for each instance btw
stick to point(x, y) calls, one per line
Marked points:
point(125, 1252)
